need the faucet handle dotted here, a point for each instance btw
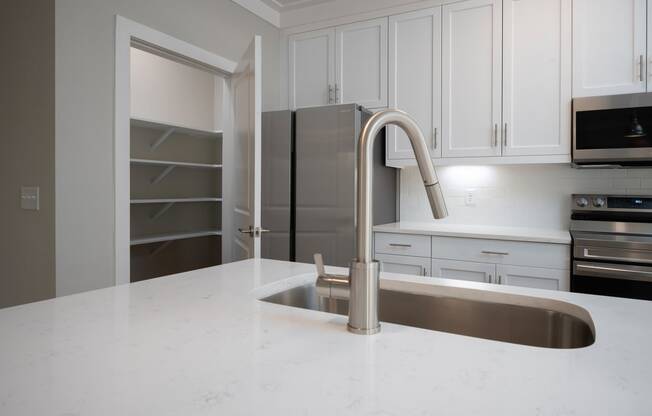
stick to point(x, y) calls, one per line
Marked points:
point(330, 285)
point(319, 263)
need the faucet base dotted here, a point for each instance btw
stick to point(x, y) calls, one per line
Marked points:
point(363, 302)
point(359, 331)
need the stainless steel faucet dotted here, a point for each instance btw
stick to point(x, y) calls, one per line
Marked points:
point(362, 284)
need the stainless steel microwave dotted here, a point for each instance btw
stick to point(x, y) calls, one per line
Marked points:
point(613, 130)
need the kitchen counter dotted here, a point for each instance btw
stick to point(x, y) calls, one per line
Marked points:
point(535, 235)
point(201, 343)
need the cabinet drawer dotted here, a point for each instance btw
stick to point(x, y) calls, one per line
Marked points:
point(402, 244)
point(554, 256)
point(390, 263)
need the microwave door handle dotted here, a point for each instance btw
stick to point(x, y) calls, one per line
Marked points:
point(614, 272)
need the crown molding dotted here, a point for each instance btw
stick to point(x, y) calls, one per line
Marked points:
point(261, 10)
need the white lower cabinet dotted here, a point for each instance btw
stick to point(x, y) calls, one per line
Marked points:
point(534, 277)
point(513, 263)
point(419, 266)
point(463, 270)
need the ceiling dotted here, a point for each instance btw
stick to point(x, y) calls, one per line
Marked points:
point(283, 5)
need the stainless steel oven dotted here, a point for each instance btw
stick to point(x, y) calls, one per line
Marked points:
point(613, 130)
point(612, 245)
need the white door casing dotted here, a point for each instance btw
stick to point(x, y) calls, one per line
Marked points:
point(246, 188)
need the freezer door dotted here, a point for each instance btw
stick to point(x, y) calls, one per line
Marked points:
point(277, 148)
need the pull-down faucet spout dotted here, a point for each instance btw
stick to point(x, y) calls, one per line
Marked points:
point(364, 275)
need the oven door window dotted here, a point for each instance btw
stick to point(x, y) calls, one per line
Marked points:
point(623, 128)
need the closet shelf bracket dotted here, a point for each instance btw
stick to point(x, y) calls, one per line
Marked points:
point(161, 139)
point(163, 174)
point(161, 211)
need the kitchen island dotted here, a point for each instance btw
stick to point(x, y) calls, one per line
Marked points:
point(202, 343)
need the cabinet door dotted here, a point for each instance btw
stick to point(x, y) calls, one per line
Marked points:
point(361, 50)
point(464, 270)
point(536, 77)
point(404, 264)
point(415, 78)
point(312, 68)
point(609, 51)
point(534, 277)
point(471, 78)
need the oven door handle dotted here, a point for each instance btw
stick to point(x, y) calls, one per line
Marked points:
point(613, 271)
point(587, 255)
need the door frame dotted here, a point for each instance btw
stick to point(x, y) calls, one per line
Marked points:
point(126, 33)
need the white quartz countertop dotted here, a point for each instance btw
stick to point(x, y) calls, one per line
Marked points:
point(201, 343)
point(536, 235)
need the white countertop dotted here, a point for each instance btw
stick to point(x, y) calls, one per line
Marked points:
point(200, 343)
point(490, 232)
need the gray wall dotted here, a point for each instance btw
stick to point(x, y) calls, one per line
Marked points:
point(85, 31)
point(27, 260)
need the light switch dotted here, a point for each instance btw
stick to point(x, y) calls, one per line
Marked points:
point(29, 197)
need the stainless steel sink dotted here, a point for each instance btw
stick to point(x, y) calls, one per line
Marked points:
point(501, 317)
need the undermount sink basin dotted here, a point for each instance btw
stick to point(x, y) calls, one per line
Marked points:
point(509, 318)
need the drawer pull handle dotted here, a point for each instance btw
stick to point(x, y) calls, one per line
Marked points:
point(400, 245)
point(496, 253)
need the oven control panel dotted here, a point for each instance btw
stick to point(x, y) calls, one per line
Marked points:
point(612, 203)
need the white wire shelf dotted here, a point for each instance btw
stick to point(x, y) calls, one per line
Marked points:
point(173, 200)
point(150, 162)
point(163, 126)
point(160, 238)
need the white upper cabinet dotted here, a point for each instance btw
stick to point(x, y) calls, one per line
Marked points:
point(609, 47)
point(536, 77)
point(471, 74)
point(312, 68)
point(361, 56)
point(415, 78)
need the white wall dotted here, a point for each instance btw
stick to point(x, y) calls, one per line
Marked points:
point(532, 196)
point(171, 92)
point(84, 81)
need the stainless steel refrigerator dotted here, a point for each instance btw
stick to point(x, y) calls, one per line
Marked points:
point(308, 183)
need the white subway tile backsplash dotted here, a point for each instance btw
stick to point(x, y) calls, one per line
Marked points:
point(535, 196)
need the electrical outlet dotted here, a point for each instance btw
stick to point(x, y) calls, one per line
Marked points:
point(469, 199)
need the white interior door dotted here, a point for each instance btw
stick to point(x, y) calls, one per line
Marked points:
point(415, 78)
point(246, 90)
point(536, 53)
point(312, 68)
point(464, 270)
point(609, 52)
point(361, 51)
point(471, 78)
